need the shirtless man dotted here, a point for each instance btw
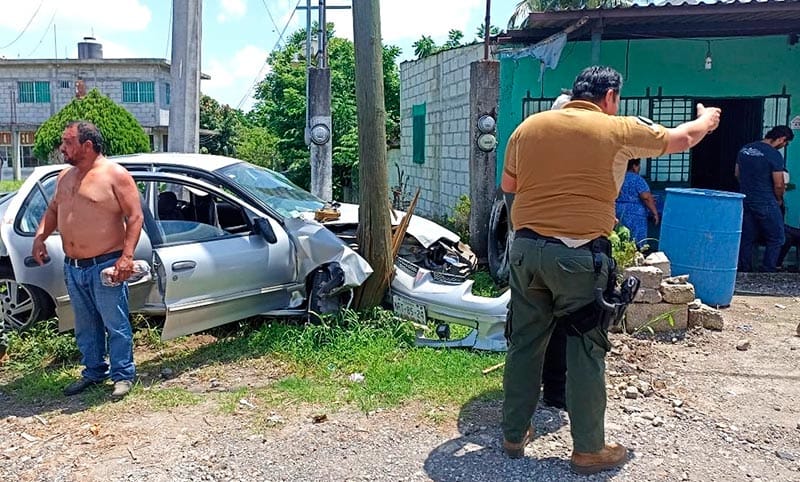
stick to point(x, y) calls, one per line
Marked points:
point(97, 211)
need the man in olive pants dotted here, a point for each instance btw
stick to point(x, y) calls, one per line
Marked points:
point(566, 167)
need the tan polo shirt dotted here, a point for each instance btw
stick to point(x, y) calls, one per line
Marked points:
point(569, 165)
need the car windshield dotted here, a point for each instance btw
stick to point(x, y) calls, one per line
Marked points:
point(272, 189)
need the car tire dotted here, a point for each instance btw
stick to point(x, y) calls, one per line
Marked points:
point(501, 235)
point(321, 283)
point(21, 305)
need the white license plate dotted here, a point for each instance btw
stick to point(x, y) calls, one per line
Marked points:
point(408, 309)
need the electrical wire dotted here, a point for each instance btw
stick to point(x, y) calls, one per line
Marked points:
point(263, 67)
point(46, 30)
point(271, 18)
point(25, 29)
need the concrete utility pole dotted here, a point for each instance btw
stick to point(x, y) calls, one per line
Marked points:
point(318, 130)
point(184, 109)
point(374, 225)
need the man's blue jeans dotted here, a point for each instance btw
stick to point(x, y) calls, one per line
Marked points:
point(101, 323)
point(764, 222)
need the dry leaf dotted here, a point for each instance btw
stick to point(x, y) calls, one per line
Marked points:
point(319, 418)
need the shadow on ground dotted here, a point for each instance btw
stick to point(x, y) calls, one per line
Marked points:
point(476, 455)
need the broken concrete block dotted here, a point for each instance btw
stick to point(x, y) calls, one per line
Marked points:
point(657, 316)
point(677, 294)
point(647, 295)
point(677, 280)
point(660, 261)
point(707, 317)
point(650, 276)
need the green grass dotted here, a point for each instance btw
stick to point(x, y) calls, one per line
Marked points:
point(8, 186)
point(315, 364)
point(484, 285)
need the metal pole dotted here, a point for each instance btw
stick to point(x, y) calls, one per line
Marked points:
point(486, 30)
point(306, 134)
point(322, 61)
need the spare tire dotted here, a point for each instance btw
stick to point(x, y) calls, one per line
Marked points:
point(501, 235)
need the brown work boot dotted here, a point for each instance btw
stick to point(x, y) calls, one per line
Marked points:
point(515, 450)
point(609, 457)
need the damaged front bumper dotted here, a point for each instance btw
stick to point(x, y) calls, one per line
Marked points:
point(425, 296)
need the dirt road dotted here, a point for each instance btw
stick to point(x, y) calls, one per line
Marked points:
point(704, 410)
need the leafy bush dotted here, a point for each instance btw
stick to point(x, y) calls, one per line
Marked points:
point(459, 220)
point(623, 247)
point(121, 131)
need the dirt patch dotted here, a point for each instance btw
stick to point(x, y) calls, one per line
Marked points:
point(712, 406)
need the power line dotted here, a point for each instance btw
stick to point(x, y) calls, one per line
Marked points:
point(25, 29)
point(261, 71)
point(271, 18)
point(46, 30)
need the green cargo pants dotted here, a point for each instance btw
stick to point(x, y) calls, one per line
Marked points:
point(549, 280)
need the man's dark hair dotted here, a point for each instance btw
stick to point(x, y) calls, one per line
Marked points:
point(633, 162)
point(89, 132)
point(780, 131)
point(593, 83)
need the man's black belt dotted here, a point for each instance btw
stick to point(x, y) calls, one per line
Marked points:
point(597, 245)
point(87, 262)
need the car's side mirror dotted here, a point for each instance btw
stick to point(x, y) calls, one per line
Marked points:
point(264, 228)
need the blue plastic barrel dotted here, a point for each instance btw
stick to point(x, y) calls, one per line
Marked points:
point(700, 234)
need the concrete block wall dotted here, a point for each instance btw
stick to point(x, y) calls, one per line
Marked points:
point(441, 82)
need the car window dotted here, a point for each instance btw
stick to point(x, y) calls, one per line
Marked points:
point(187, 214)
point(35, 205)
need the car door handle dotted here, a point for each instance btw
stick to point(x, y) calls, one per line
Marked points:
point(31, 263)
point(183, 265)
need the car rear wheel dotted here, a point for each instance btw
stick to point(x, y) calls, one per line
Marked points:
point(21, 305)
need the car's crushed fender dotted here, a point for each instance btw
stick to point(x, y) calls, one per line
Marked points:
point(318, 246)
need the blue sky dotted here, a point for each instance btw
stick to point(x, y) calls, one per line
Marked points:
point(237, 34)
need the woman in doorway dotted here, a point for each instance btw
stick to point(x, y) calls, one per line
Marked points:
point(634, 201)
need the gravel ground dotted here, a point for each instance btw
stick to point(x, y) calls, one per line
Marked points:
point(703, 410)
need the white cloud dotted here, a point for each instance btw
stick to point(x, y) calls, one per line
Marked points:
point(231, 9)
point(119, 15)
point(232, 77)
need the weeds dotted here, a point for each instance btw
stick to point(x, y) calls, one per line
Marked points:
point(41, 346)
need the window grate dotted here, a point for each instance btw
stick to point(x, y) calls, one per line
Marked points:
point(138, 92)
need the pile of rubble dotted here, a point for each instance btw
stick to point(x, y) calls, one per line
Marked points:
point(665, 302)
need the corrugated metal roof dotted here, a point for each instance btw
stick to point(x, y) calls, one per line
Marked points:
point(670, 19)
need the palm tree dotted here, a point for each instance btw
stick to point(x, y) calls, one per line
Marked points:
point(480, 33)
point(424, 47)
point(519, 19)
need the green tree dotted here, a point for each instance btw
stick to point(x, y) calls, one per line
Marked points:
point(223, 122)
point(519, 19)
point(424, 47)
point(454, 38)
point(281, 103)
point(121, 131)
point(481, 32)
point(256, 145)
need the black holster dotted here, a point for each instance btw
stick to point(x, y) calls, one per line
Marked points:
point(609, 304)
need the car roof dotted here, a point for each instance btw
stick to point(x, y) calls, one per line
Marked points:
point(206, 162)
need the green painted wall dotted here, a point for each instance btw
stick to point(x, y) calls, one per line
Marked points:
point(742, 67)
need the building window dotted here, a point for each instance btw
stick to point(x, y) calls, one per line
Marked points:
point(138, 92)
point(418, 142)
point(164, 142)
point(152, 143)
point(34, 92)
point(65, 84)
point(166, 94)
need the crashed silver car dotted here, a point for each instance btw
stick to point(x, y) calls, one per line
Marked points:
point(226, 240)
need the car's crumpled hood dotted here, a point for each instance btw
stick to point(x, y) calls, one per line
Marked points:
point(316, 245)
point(425, 231)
